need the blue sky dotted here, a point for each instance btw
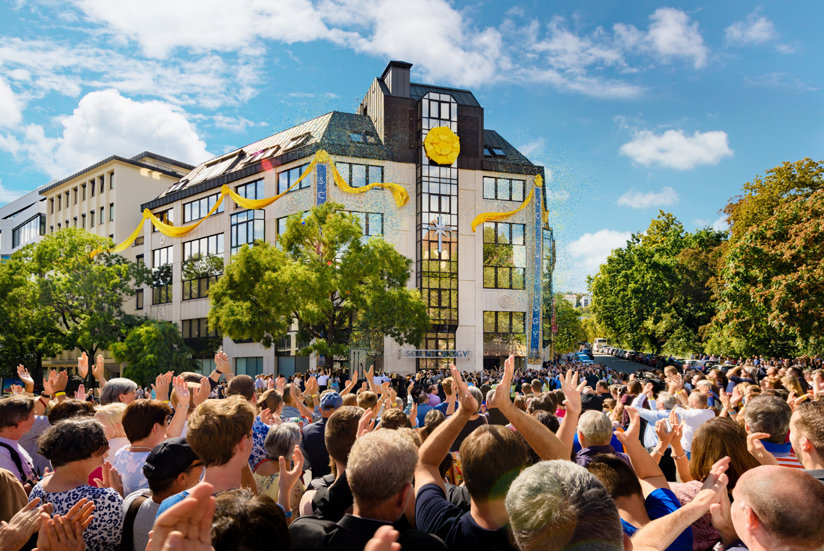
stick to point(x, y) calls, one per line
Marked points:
point(631, 106)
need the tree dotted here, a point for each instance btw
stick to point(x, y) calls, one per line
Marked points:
point(570, 329)
point(151, 348)
point(656, 293)
point(67, 299)
point(772, 297)
point(323, 276)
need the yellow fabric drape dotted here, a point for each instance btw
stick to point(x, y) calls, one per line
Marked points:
point(495, 216)
point(398, 192)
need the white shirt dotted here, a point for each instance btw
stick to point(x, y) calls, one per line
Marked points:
point(692, 419)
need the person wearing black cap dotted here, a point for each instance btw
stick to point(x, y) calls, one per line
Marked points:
point(170, 468)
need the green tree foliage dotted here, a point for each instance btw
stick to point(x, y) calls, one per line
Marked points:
point(656, 292)
point(151, 348)
point(772, 278)
point(570, 328)
point(322, 275)
point(55, 296)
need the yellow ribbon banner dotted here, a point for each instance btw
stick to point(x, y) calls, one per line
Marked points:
point(495, 216)
point(398, 192)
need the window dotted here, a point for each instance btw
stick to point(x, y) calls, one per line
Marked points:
point(59, 206)
point(196, 210)
point(371, 223)
point(504, 189)
point(165, 216)
point(197, 328)
point(51, 205)
point(289, 177)
point(162, 275)
point(75, 222)
point(102, 215)
point(75, 196)
point(91, 219)
point(282, 221)
point(298, 141)
point(202, 265)
point(490, 151)
point(505, 322)
point(111, 180)
point(83, 221)
point(91, 188)
point(138, 299)
point(83, 193)
point(246, 227)
point(140, 259)
point(252, 190)
point(249, 366)
point(504, 255)
point(111, 212)
point(100, 183)
point(28, 231)
point(360, 175)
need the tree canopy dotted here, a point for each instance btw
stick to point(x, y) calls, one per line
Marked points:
point(323, 275)
point(570, 328)
point(151, 348)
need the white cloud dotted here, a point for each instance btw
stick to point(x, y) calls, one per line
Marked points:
point(674, 149)
point(755, 29)
point(638, 200)
point(672, 35)
point(106, 123)
point(721, 224)
point(442, 41)
point(11, 111)
point(591, 250)
point(9, 195)
point(780, 80)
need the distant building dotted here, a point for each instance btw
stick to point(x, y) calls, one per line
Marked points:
point(585, 301)
point(571, 298)
point(22, 221)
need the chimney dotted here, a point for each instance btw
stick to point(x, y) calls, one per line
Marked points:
point(396, 78)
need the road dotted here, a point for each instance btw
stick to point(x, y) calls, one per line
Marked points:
point(620, 364)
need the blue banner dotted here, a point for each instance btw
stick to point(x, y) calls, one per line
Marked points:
point(535, 340)
point(320, 181)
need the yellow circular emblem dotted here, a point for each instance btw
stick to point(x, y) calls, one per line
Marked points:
point(442, 145)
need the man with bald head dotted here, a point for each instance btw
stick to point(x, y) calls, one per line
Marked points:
point(773, 508)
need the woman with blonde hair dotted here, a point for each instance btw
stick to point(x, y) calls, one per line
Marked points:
point(111, 417)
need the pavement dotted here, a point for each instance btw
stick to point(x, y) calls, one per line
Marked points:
point(619, 364)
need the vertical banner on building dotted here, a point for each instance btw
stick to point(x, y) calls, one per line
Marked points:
point(320, 183)
point(535, 339)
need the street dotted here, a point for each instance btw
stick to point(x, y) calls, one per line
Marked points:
point(618, 363)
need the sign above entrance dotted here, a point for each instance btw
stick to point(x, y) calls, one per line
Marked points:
point(415, 354)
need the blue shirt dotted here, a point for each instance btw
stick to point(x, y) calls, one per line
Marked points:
point(172, 500)
point(661, 502)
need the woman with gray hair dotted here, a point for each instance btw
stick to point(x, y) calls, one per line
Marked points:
point(280, 442)
point(118, 389)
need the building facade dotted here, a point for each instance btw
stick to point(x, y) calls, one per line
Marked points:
point(482, 284)
point(103, 199)
point(22, 221)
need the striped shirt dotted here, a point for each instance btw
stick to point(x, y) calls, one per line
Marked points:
point(784, 454)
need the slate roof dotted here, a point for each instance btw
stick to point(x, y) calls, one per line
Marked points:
point(462, 97)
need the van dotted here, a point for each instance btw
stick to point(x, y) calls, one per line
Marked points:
point(598, 344)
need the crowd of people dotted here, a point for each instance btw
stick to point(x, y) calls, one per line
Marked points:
point(568, 456)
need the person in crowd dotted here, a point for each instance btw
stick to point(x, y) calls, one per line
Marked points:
point(170, 468)
point(559, 506)
point(476, 419)
point(692, 416)
point(491, 458)
point(244, 385)
point(380, 468)
point(220, 434)
point(807, 437)
point(111, 417)
point(147, 423)
point(246, 522)
point(312, 443)
point(595, 435)
point(120, 390)
point(773, 508)
point(771, 415)
point(75, 448)
point(12, 495)
point(394, 419)
point(16, 419)
point(280, 442)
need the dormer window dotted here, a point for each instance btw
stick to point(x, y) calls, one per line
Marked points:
point(297, 141)
point(494, 152)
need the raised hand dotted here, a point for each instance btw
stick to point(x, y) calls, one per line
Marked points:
point(665, 435)
point(756, 448)
point(80, 393)
point(222, 362)
point(81, 512)
point(59, 385)
point(99, 369)
point(161, 386)
point(83, 365)
point(48, 382)
point(26, 377)
point(288, 479)
point(187, 524)
point(181, 392)
point(280, 384)
point(634, 428)
point(18, 530)
point(111, 479)
point(16, 389)
point(202, 392)
point(572, 391)
point(366, 423)
point(501, 398)
point(715, 484)
point(467, 402)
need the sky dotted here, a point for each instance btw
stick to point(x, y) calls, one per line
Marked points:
point(632, 107)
